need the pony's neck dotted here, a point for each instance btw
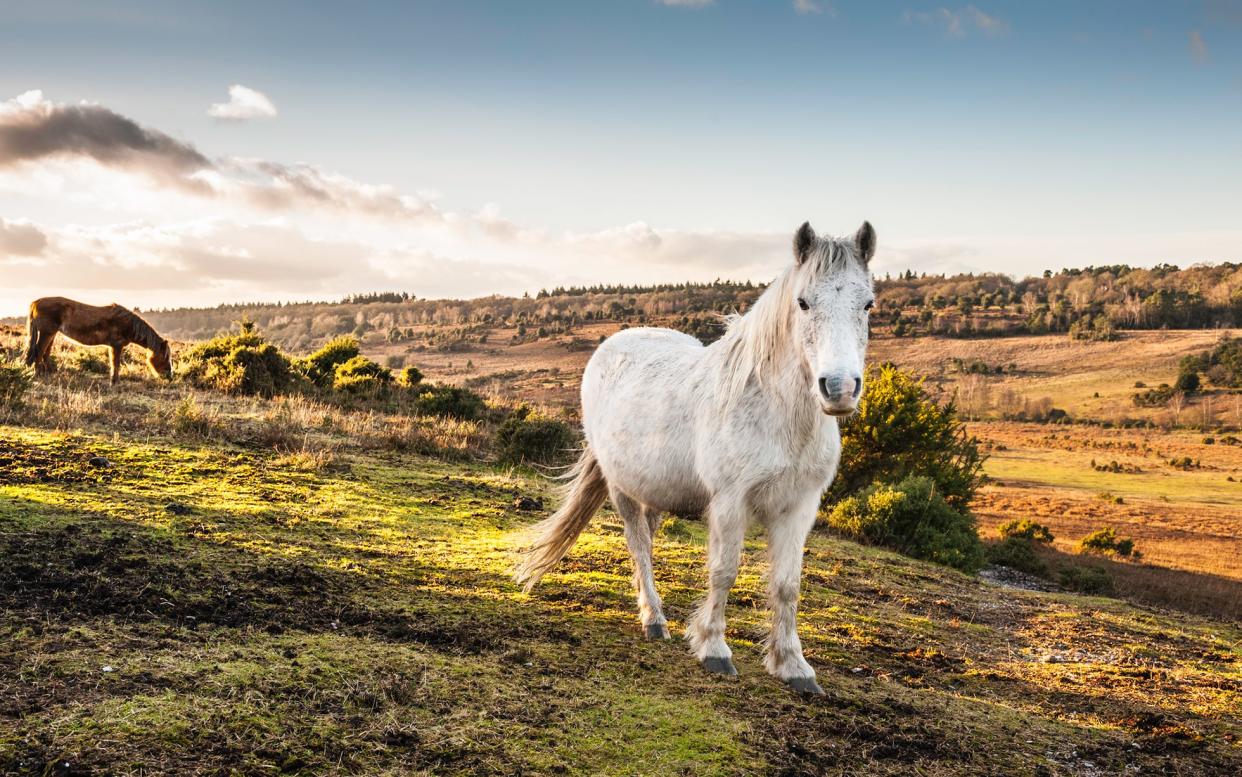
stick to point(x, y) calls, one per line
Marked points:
point(761, 352)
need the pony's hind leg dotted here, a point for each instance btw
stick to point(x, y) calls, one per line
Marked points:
point(43, 362)
point(639, 537)
point(726, 523)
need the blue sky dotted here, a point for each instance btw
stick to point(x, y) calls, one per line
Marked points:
point(635, 139)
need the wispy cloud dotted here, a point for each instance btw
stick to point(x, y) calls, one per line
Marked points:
point(244, 104)
point(21, 239)
point(1198, 48)
point(959, 22)
point(814, 7)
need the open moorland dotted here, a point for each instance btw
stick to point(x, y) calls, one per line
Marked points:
point(202, 583)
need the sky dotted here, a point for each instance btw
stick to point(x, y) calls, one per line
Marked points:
point(163, 154)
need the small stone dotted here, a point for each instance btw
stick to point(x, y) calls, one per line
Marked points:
point(99, 461)
point(108, 668)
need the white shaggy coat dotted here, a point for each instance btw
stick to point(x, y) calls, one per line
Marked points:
point(742, 430)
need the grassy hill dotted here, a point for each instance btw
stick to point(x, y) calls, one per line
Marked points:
point(283, 589)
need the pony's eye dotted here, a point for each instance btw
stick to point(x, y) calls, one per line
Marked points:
point(869, 305)
point(802, 304)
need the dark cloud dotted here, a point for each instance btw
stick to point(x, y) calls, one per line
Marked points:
point(21, 239)
point(32, 129)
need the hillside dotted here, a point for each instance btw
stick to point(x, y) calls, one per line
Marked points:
point(250, 585)
point(203, 606)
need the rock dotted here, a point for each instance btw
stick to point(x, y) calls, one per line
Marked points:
point(528, 503)
point(99, 461)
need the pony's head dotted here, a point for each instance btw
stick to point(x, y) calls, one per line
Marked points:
point(161, 360)
point(831, 295)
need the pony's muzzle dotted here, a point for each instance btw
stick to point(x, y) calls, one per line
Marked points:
point(840, 393)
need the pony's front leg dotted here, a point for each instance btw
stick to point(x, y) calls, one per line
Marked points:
point(726, 531)
point(117, 352)
point(786, 540)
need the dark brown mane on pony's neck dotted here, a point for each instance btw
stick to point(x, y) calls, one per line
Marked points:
point(142, 331)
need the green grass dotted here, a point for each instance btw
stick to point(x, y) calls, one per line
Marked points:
point(1052, 468)
point(256, 617)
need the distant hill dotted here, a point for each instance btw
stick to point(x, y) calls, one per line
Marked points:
point(1088, 303)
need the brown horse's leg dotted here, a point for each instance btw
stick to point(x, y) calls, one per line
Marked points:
point(117, 351)
point(42, 361)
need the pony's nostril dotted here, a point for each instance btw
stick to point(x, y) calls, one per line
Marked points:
point(824, 389)
point(857, 386)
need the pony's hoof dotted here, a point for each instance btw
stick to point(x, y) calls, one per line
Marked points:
point(658, 631)
point(719, 665)
point(805, 685)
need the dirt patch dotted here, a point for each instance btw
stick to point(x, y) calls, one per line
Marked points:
point(79, 570)
point(62, 461)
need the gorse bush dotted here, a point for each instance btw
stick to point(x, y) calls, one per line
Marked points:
point(1085, 580)
point(410, 377)
point(1105, 542)
point(1018, 553)
point(91, 360)
point(913, 518)
point(527, 437)
point(360, 375)
point(1026, 529)
point(901, 431)
point(239, 363)
point(450, 401)
point(320, 366)
point(15, 381)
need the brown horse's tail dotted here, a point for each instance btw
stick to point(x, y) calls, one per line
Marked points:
point(32, 348)
point(583, 495)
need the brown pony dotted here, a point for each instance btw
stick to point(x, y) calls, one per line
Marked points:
point(113, 326)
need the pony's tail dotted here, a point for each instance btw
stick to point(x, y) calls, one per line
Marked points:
point(32, 348)
point(583, 495)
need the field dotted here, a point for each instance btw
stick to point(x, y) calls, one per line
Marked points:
point(282, 586)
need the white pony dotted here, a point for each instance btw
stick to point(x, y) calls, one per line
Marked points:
point(743, 429)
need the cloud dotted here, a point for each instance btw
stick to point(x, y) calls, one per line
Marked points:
point(686, 3)
point(957, 23)
point(813, 7)
point(244, 104)
point(1198, 47)
point(21, 239)
point(34, 129)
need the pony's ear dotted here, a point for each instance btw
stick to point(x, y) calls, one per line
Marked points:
point(864, 238)
point(803, 242)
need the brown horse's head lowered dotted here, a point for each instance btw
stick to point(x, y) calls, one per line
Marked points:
point(113, 326)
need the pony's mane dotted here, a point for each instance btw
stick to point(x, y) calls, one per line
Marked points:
point(143, 333)
point(754, 340)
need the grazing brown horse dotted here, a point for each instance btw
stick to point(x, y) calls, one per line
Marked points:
point(113, 326)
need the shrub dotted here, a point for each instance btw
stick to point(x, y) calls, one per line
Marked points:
point(92, 361)
point(1026, 529)
point(451, 401)
point(1086, 580)
point(900, 431)
point(241, 363)
point(1018, 553)
point(1105, 542)
point(360, 375)
point(527, 437)
point(320, 366)
point(15, 381)
point(410, 377)
point(1187, 381)
point(911, 517)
